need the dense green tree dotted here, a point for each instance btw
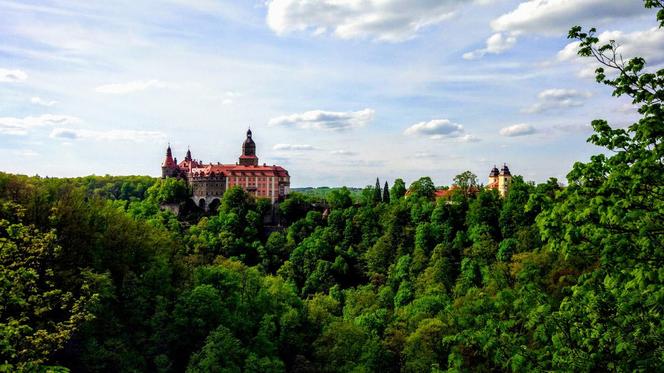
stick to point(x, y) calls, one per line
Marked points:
point(612, 215)
point(340, 199)
point(274, 252)
point(424, 350)
point(422, 188)
point(466, 181)
point(398, 189)
point(295, 207)
point(38, 314)
point(222, 352)
point(340, 347)
point(168, 190)
point(484, 213)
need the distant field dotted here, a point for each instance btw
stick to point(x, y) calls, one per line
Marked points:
point(322, 192)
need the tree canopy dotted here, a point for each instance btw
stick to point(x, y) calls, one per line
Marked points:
point(96, 275)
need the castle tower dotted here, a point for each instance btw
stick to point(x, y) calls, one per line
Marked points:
point(493, 178)
point(169, 168)
point(188, 156)
point(248, 157)
point(504, 180)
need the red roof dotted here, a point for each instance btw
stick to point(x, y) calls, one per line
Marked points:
point(169, 162)
point(445, 193)
point(239, 170)
point(184, 165)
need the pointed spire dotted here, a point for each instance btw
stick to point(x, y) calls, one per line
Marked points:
point(248, 157)
point(505, 171)
point(169, 162)
point(188, 156)
point(494, 171)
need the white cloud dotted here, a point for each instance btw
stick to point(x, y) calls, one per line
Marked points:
point(627, 108)
point(552, 99)
point(569, 52)
point(12, 76)
point(381, 20)
point(424, 155)
point(130, 87)
point(38, 101)
point(293, 147)
point(21, 153)
point(112, 135)
point(343, 152)
point(647, 44)
point(325, 120)
point(553, 17)
point(518, 130)
point(436, 129)
point(495, 44)
point(468, 138)
point(227, 98)
point(22, 126)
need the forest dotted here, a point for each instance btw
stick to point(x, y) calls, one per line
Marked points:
point(556, 276)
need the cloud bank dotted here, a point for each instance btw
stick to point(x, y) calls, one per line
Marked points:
point(552, 18)
point(112, 135)
point(293, 147)
point(22, 126)
point(436, 129)
point(12, 76)
point(518, 130)
point(325, 120)
point(556, 99)
point(39, 101)
point(495, 44)
point(380, 20)
point(342, 152)
point(647, 44)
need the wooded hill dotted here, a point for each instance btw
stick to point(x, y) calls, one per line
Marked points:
point(94, 276)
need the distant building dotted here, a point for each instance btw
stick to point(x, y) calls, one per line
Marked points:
point(447, 193)
point(500, 180)
point(209, 181)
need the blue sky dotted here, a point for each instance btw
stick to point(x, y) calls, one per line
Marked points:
point(337, 91)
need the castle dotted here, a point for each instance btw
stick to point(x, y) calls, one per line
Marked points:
point(208, 182)
point(500, 180)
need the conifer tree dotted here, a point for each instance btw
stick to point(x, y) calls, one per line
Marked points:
point(377, 197)
point(386, 194)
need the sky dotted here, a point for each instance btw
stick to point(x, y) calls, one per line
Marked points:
point(338, 92)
